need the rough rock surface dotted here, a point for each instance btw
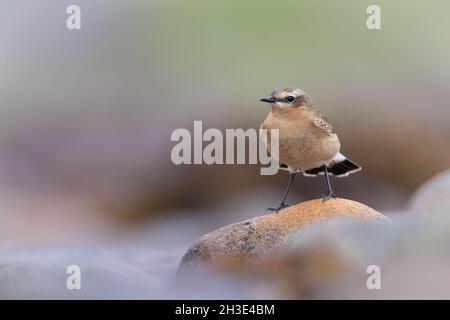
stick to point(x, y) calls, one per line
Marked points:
point(247, 241)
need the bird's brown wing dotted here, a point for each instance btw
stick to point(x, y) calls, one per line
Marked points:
point(322, 122)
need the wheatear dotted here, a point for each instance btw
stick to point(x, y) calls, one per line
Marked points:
point(307, 141)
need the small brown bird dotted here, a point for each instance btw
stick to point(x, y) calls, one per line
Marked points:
point(307, 141)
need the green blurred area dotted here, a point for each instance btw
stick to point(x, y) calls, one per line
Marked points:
point(244, 46)
point(239, 48)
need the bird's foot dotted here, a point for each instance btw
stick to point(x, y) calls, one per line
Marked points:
point(329, 195)
point(281, 206)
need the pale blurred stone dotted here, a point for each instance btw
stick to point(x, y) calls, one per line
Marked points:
point(433, 196)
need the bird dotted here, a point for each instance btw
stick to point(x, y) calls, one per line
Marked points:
point(307, 141)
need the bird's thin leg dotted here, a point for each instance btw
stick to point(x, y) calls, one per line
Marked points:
point(283, 203)
point(288, 187)
point(330, 194)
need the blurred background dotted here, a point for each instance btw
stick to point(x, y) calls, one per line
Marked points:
point(86, 116)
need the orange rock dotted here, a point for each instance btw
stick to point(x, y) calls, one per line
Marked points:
point(248, 241)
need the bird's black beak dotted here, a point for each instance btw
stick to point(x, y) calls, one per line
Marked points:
point(267, 99)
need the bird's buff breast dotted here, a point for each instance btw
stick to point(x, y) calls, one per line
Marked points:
point(304, 148)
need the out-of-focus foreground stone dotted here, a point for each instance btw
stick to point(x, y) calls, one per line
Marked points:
point(433, 196)
point(251, 240)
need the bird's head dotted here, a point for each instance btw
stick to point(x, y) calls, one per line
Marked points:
point(289, 97)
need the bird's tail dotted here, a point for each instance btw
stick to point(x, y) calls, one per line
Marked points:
point(339, 166)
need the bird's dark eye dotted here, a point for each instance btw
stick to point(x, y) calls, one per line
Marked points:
point(290, 98)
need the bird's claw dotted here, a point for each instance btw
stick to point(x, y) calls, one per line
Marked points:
point(328, 196)
point(282, 205)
